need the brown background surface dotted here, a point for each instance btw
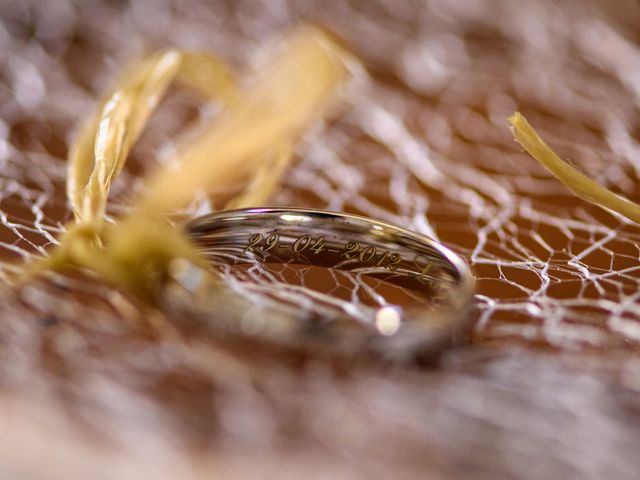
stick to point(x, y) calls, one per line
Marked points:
point(91, 386)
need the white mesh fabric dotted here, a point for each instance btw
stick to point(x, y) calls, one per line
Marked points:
point(424, 145)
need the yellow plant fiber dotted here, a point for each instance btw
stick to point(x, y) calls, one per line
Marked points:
point(581, 185)
point(250, 141)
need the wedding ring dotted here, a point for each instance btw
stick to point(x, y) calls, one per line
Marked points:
point(382, 262)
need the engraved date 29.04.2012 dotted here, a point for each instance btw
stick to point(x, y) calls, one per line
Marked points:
point(308, 244)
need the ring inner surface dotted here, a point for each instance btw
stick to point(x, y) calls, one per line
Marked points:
point(323, 262)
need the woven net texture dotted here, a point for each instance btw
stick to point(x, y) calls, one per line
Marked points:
point(92, 385)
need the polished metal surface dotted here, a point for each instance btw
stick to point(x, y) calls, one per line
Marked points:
point(357, 244)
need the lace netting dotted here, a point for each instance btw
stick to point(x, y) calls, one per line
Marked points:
point(423, 144)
